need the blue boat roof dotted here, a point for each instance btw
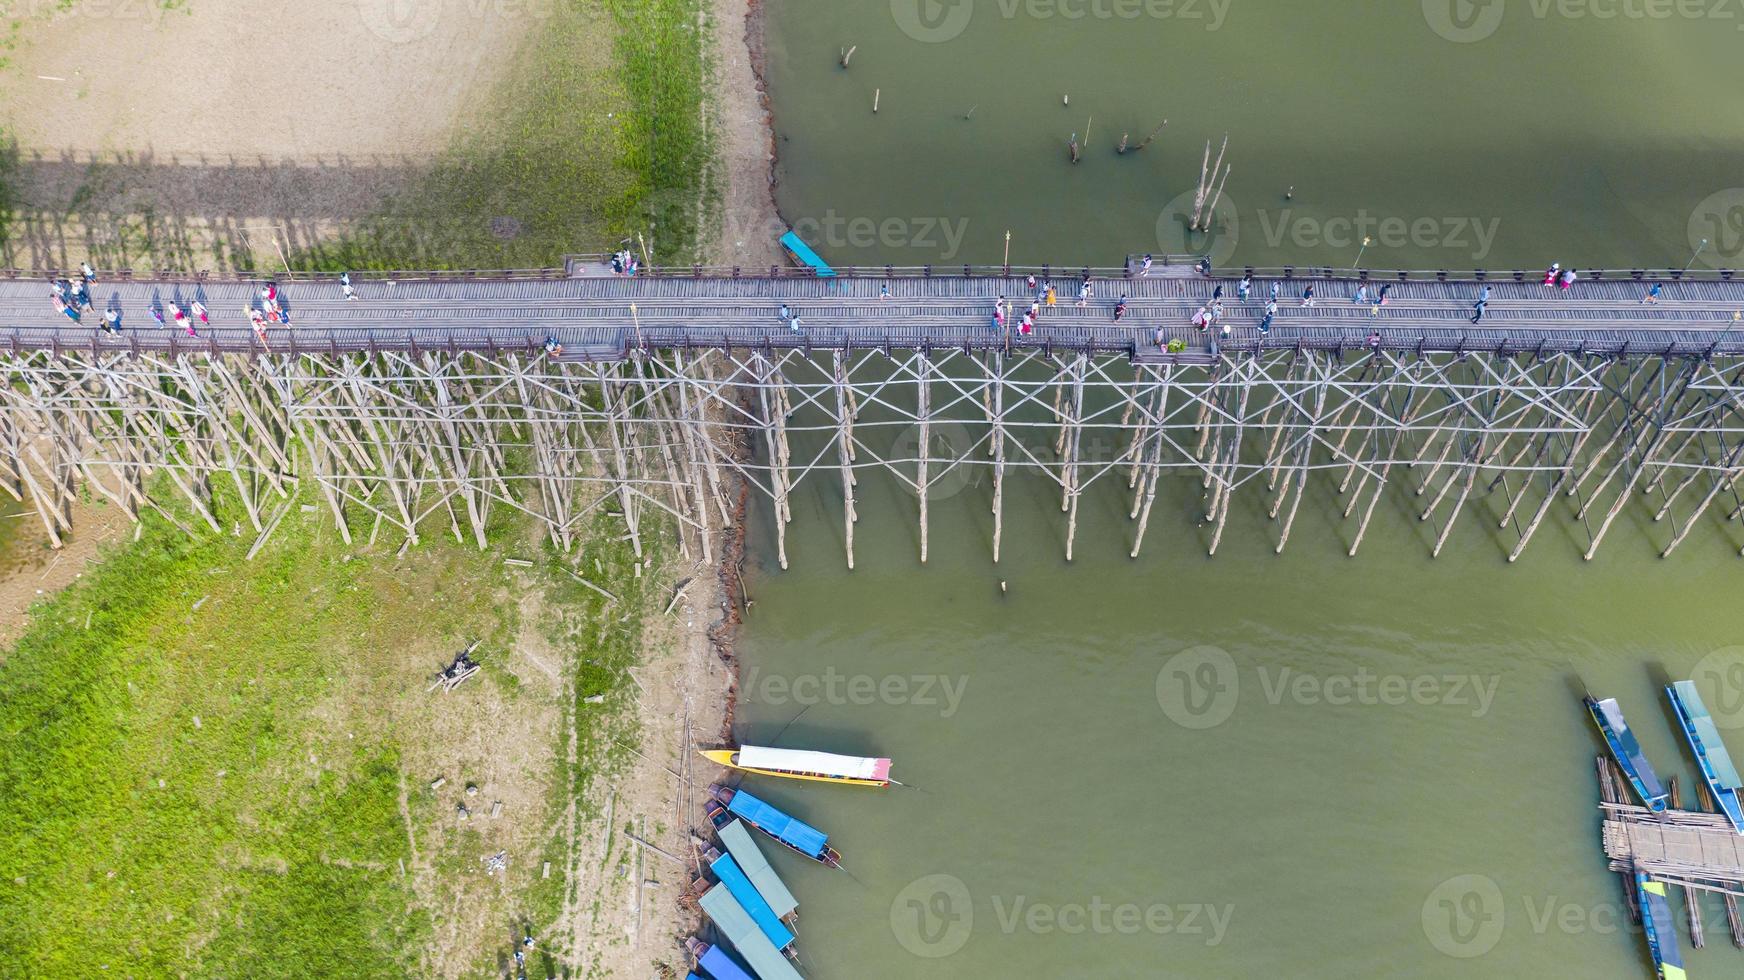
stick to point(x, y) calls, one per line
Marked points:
point(804, 837)
point(728, 871)
point(1627, 750)
point(720, 966)
point(736, 924)
point(1656, 922)
point(801, 251)
point(1704, 736)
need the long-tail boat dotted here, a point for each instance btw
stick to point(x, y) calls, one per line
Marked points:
point(1627, 751)
point(1711, 755)
point(736, 924)
point(756, 867)
point(794, 834)
point(1656, 923)
point(714, 961)
point(822, 767)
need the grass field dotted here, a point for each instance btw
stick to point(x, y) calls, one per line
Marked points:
point(218, 767)
point(221, 767)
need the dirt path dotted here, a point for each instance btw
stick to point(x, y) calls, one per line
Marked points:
point(34, 571)
point(259, 78)
point(748, 224)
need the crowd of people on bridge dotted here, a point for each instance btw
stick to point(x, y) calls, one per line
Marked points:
point(73, 299)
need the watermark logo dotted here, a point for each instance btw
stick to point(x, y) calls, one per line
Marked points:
point(948, 444)
point(932, 21)
point(1465, 235)
point(1464, 21)
point(1198, 688)
point(1191, 225)
point(834, 688)
point(400, 21)
point(1719, 679)
point(1463, 917)
point(942, 237)
point(1716, 229)
point(933, 917)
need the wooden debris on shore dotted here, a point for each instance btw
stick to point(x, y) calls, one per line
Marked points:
point(458, 672)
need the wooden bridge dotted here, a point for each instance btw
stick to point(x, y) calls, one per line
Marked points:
point(432, 398)
point(603, 316)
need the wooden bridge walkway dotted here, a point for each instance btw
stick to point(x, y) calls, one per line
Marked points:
point(600, 317)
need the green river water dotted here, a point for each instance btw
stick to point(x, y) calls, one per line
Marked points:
point(1307, 765)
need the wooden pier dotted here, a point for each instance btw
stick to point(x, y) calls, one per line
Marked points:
point(432, 401)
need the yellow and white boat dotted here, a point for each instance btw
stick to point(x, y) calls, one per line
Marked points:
point(822, 767)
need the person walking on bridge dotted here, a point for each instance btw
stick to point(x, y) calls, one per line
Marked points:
point(1481, 306)
point(1653, 294)
point(1271, 314)
point(346, 287)
point(1308, 297)
point(1120, 310)
point(111, 320)
point(1244, 288)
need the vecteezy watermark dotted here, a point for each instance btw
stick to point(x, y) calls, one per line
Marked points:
point(1716, 229)
point(939, 236)
point(937, 21)
point(1466, 916)
point(1194, 224)
point(934, 916)
point(832, 687)
point(1719, 679)
point(1200, 687)
point(1470, 21)
point(1467, 236)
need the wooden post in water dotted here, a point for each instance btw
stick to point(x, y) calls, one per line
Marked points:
point(924, 362)
point(996, 360)
point(844, 440)
point(1691, 906)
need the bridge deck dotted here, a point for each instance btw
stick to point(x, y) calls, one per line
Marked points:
point(601, 316)
point(1674, 845)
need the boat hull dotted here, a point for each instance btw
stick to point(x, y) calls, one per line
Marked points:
point(730, 759)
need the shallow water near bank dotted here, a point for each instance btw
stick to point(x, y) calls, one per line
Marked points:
point(1305, 765)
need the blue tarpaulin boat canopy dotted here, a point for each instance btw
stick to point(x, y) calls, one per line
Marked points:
point(808, 840)
point(735, 923)
point(1711, 754)
point(802, 252)
point(720, 966)
point(728, 871)
point(1609, 717)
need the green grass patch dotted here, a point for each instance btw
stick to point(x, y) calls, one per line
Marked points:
point(597, 138)
point(205, 757)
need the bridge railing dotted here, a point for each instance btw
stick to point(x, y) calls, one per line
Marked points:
point(1311, 272)
point(577, 264)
